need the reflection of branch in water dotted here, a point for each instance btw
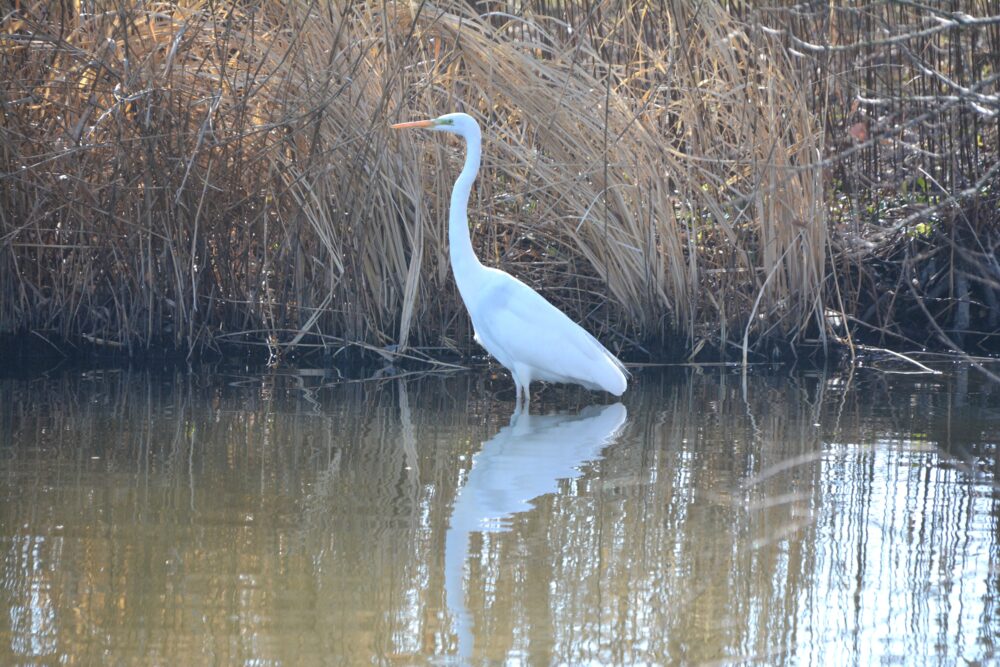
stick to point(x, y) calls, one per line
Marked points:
point(411, 461)
point(782, 466)
point(525, 460)
point(381, 438)
point(408, 438)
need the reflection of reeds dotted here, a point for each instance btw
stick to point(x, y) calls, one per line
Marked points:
point(230, 495)
point(222, 508)
point(197, 173)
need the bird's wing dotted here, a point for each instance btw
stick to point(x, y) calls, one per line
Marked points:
point(516, 324)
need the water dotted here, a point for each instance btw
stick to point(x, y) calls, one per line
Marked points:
point(274, 519)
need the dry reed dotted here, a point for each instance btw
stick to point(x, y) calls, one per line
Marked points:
point(909, 94)
point(191, 174)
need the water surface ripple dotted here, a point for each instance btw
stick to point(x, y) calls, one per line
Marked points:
point(281, 519)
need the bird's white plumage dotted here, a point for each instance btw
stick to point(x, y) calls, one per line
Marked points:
point(536, 341)
point(532, 338)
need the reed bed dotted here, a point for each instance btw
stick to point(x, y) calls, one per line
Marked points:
point(909, 95)
point(189, 175)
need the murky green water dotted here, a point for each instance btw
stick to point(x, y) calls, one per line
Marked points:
point(269, 519)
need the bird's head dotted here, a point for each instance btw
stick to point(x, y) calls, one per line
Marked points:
point(461, 124)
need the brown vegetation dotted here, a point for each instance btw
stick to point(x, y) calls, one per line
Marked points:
point(909, 97)
point(679, 177)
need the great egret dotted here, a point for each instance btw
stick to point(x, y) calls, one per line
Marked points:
point(532, 338)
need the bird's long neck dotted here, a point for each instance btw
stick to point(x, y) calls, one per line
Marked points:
point(464, 263)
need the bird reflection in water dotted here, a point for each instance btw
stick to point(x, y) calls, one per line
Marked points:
point(525, 460)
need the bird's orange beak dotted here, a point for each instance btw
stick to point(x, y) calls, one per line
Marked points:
point(415, 123)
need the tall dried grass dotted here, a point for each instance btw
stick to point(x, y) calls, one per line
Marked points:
point(188, 174)
point(909, 94)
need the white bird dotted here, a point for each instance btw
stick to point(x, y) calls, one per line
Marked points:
point(532, 338)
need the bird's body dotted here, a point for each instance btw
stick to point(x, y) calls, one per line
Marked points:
point(548, 346)
point(529, 336)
